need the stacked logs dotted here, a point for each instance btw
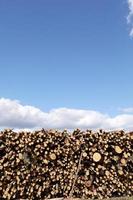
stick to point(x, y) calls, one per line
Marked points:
point(52, 164)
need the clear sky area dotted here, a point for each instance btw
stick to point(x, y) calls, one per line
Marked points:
point(67, 54)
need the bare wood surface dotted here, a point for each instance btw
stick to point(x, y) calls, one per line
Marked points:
point(76, 175)
point(47, 164)
point(116, 198)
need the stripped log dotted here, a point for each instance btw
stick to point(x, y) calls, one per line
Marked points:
point(48, 164)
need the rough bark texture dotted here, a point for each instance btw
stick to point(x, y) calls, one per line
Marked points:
point(53, 164)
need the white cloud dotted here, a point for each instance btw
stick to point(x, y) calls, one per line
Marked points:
point(127, 110)
point(131, 33)
point(15, 115)
point(130, 16)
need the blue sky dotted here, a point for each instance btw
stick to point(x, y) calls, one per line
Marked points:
point(67, 53)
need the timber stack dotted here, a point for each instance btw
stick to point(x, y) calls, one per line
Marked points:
point(51, 164)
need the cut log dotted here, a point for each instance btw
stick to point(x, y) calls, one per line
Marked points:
point(123, 161)
point(52, 156)
point(84, 154)
point(118, 149)
point(96, 157)
point(52, 164)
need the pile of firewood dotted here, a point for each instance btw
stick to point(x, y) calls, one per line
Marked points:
point(52, 164)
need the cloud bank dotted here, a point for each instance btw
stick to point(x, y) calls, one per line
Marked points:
point(130, 16)
point(15, 115)
point(127, 110)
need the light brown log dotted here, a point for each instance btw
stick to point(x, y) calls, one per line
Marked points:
point(96, 157)
point(120, 172)
point(45, 161)
point(52, 156)
point(123, 161)
point(84, 154)
point(118, 149)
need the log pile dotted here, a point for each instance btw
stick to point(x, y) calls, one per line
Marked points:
point(52, 164)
